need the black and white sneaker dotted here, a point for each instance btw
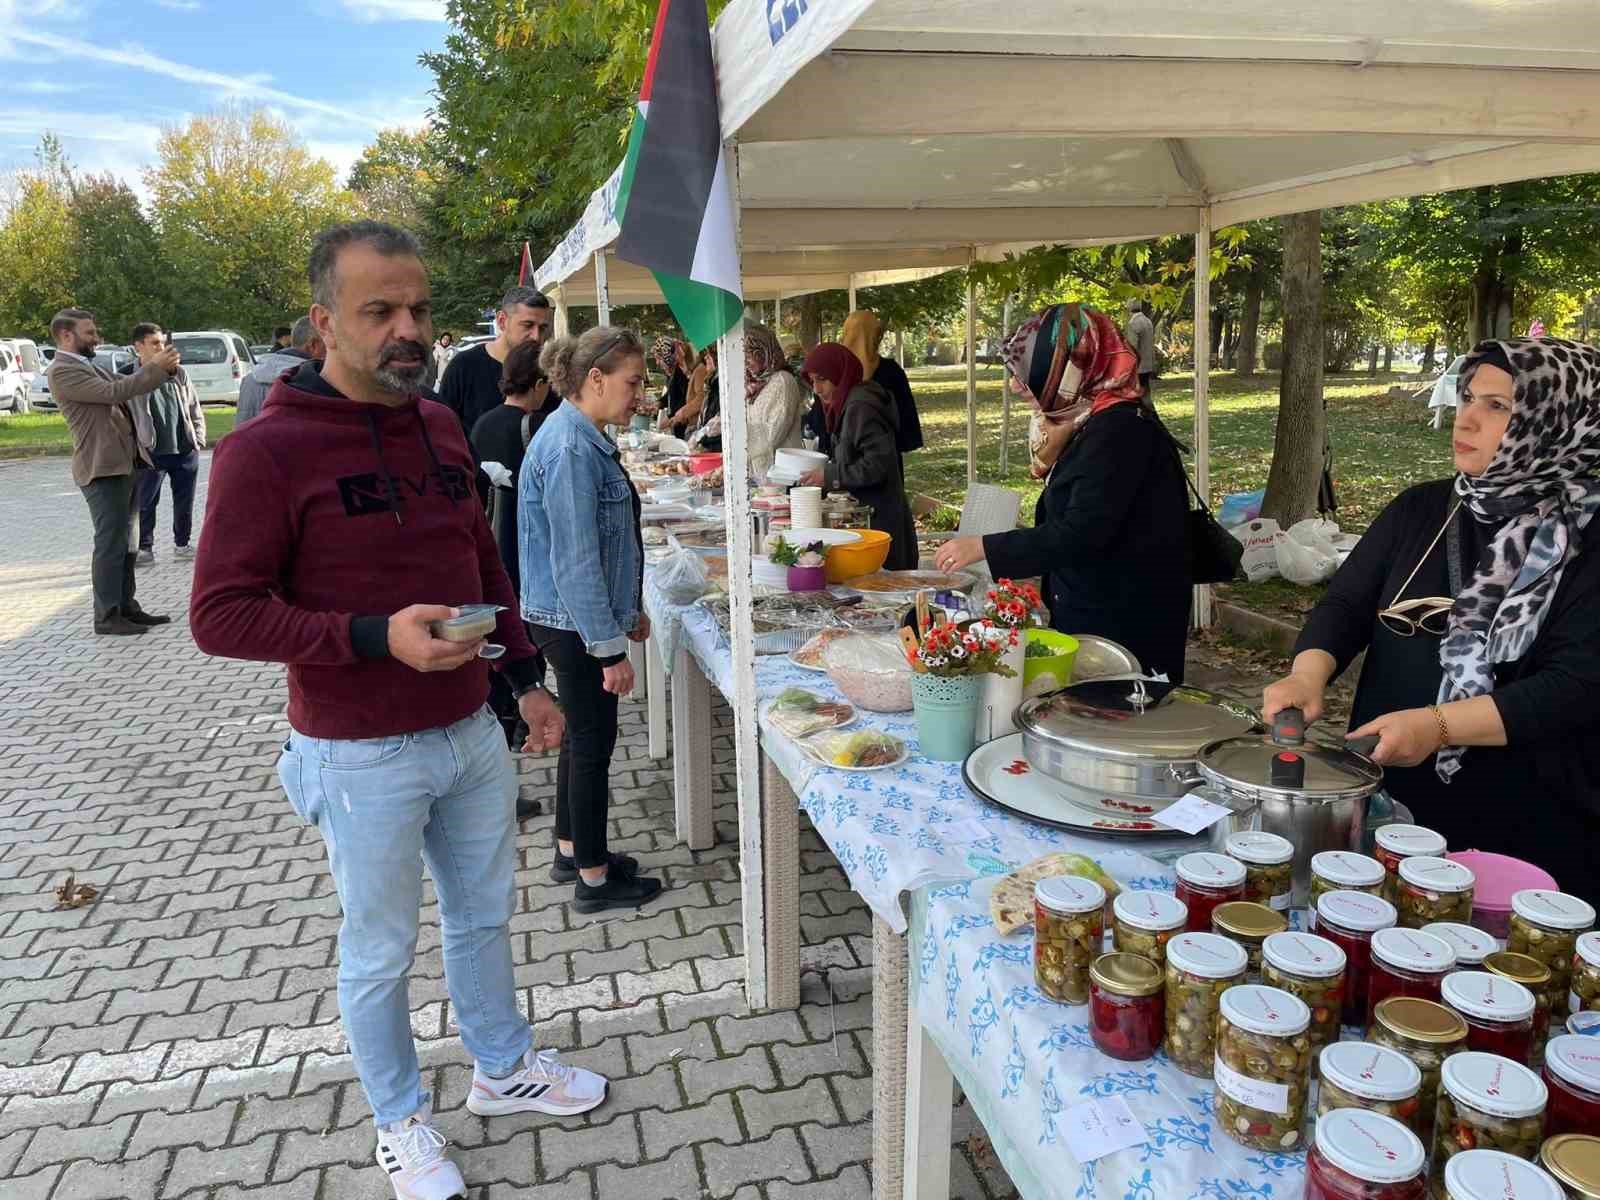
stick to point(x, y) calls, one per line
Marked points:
point(412, 1152)
point(545, 1084)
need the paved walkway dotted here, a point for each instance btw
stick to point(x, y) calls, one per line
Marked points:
point(180, 1037)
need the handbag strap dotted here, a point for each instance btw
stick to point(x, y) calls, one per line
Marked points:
point(1177, 455)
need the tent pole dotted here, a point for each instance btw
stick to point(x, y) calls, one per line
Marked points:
point(562, 323)
point(852, 293)
point(1005, 396)
point(972, 378)
point(602, 290)
point(777, 315)
point(1202, 389)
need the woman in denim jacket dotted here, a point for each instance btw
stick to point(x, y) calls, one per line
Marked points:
point(582, 585)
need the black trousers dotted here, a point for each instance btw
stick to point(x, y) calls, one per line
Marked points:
point(583, 773)
point(110, 500)
point(183, 470)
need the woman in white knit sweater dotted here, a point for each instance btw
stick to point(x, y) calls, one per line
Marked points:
point(776, 397)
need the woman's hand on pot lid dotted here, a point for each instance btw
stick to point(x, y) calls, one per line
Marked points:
point(1405, 738)
point(1292, 691)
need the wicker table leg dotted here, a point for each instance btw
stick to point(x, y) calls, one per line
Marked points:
point(693, 782)
point(780, 843)
point(891, 969)
point(656, 702)
point(930, 1093)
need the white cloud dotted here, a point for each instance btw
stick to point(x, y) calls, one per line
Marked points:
point(395, 10)
point(44, 87)
point(180, 5)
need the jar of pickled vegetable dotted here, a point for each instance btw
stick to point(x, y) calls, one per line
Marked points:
point(1206, 880)
point(1313, 969)
point(1494, 1175)
point(1471, 944)
point(1487, 1103)
point(1201, 967)
point(1498, 1012)
point(1374, 1078)
point(1406, 962)
point(1359, 1155)
point(1574, 1160)
point(1343, 871)
point(1127, 1006)
point(1585, 993)
point(1546, 926)
point(1268, 866)
point(1143, 923)
point(1348, 920)
point(1434, 889)
point(1427, 1034)
point(1263, 1067)
point(1535, 976)
point(1393, 844)
point(1250, 925)
point(1068, 927)
point(1572, 1073)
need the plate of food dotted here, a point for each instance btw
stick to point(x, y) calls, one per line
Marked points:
point(704, 539)
point(810, 657)
point(866, 750)
point(908, 583)
point(1000, 773)
point(800, 713)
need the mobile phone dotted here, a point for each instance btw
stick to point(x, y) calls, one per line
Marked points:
point(475, 621)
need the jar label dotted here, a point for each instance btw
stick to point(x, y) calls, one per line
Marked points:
point(1268, 1097)
point(1279, 902)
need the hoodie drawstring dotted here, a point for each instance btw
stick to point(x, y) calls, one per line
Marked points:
point(388, 479)
point(438, 467)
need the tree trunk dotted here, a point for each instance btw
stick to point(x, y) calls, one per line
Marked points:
point(1230, 342)
point(1428, 353)
point(810, 320)
point(1388, 357)
point(1216, 335)
point(1492, 291)
point(1250, 321)
point(1297, 453)
point(1372, 359)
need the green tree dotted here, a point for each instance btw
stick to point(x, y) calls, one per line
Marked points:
point(37, 266)
point(120, 272)
point(397, 177)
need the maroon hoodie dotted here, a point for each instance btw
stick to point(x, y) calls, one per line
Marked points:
point(324, 516)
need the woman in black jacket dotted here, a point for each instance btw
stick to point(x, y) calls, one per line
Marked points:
point(1477, 602)
point(1110, 531)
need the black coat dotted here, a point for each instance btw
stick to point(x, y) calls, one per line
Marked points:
point(1111, 537)
point(1536, 798)
point(865, 462)
point(892, 379)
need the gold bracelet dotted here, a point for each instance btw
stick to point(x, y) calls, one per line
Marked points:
point(1444, 726)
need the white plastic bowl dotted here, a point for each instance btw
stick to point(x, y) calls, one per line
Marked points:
point(798, 462)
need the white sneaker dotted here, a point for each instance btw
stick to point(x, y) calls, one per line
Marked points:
point(183, 551)
point(544, 1085)
point(412, 1152)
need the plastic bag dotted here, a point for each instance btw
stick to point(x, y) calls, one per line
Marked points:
point(1240, 507)
point(1260, 538)
point(1306, 553)
point(871, 670)
point(682, 578)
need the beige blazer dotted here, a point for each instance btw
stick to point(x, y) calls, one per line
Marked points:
point(94, 402)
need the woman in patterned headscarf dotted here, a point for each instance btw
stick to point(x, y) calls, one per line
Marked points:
point(671, 357)
point(777, 401)
point(1477, 603)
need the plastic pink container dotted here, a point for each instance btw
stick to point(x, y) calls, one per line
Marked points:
point(1499, 877)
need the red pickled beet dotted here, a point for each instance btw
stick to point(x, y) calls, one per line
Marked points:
point(1385, 981)
point(1570, 1109)
point(1126, 1027)
point(1324, 1181)
point(1508, 1041)
point(1357, 949)
point(1201, 902)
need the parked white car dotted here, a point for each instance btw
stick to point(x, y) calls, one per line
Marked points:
point(216, 360)
point(13, 380)
point(112, 358)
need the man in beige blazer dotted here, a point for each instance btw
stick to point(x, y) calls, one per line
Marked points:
point(104, 452)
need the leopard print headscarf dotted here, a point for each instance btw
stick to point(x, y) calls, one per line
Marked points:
point(1540, 491)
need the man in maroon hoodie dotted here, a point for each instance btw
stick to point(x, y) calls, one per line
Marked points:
point(340, 524)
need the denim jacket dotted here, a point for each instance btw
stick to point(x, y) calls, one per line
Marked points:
point(578, 534)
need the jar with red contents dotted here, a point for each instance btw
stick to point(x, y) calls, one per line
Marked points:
point(1393, 844)
point(1495, 1175)
point(1206, 880)
point(1343, 871)
point(1360, 1155)
point(1348, 920)
point(1498, 1013)
point(1572, 1073)
point(1407, 962)
point(1535, 976)
point(1127, 1006)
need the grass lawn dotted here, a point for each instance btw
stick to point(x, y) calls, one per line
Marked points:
point(32, 434)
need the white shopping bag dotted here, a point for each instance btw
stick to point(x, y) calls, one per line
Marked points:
point(1260, 538)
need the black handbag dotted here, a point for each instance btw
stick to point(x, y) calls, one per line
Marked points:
point(1214, 553)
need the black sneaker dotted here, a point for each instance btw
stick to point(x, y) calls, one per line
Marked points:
point(565, 870)
point(528, 808)
point(618, 891)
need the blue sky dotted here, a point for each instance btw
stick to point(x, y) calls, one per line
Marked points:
point(107, 75)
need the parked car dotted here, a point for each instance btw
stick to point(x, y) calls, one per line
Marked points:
point(113, 358)
point(216, 360)
point(13, 380)
point(28, 353)
point(258, 351)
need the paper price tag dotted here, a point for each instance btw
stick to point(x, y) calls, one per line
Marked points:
point(1099, 1128)
point(1191, 814)
point(1253, 1093)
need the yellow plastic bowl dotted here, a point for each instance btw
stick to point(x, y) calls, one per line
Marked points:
point(858, 558)
point(1048, 674)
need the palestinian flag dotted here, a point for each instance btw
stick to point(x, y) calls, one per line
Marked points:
point(525, 270)
point(674, 202)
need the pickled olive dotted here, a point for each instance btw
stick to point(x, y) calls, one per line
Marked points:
point(1312, 969)
point(1486, 1103)
point(1144, 922)
point(1250, 925)
point(1427, 1034)
point(1374, 1078)
point(1395, 844)
point(1546, 926)
point(1201, 967)
point(1344, 871)
point(1433, 890)
point(1263, 1067)
point(1585, 993)
point(1268, 866)
point(1069, 924)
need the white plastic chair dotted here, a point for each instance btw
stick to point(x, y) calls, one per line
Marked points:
point(988, 508)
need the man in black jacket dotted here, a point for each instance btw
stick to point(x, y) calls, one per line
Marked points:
point(471, 383)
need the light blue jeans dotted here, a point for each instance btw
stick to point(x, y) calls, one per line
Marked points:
point(384, 806)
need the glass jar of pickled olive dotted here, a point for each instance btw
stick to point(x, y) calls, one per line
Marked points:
point(1585, 993)
point(1358, 1155)
point(1348, 920)
point(1434, 889)
point(1574, 1160)
point(1143, 923)
point(1313, 969)
point(1393, 844)
point(1268, 866)
point(1406, 962)
point(1535, 976)
point(1487, 1103)
point(1546, 926)
point(1374, 1078)
point(1427, 1034)
point(1263, 1067)
point(1498, 1012)
point(1206, 880)
point(1572, 1073)
point(1127, 1006)
point(1250, 925)
point(1471, 944)
point(1068, 927)
point(1201, 967)
point(1343, 871)
point(1493, 1175)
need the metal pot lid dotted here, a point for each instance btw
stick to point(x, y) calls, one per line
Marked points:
point(1256, 767)
point(1133, 719)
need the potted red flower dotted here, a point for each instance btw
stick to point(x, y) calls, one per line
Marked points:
point(950, 668)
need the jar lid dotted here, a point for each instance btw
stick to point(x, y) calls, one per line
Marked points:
point(1246, 919)
point(1070, 894)
point(1496, 1175)
point(1574, 1159)
point(1493, 1085)
point(1154, 911)
point(1471, 944)
point(1303, 954)
point(1371, 1072)
point(1410, 841)
point(1207, 955)
point(1487, 996)
point(1126, 974)
point(1266, 1010)
point(1529, 972)
point(1204, 869)
point(1585, 1023)
point(1121, 720)
point(1259, 847)
point(1257, 768)
point(1589, 949)
point(1437, 875)
point(1372, 1147)
point(1575, 1059)
point(1347, 869)
point(1553, 910)
point(1357, 911)
point(1412, 950)
point(1419, 1020)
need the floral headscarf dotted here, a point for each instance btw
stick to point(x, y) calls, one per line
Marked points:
point(831, 361)
point(665, 352)
point(762, 346)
